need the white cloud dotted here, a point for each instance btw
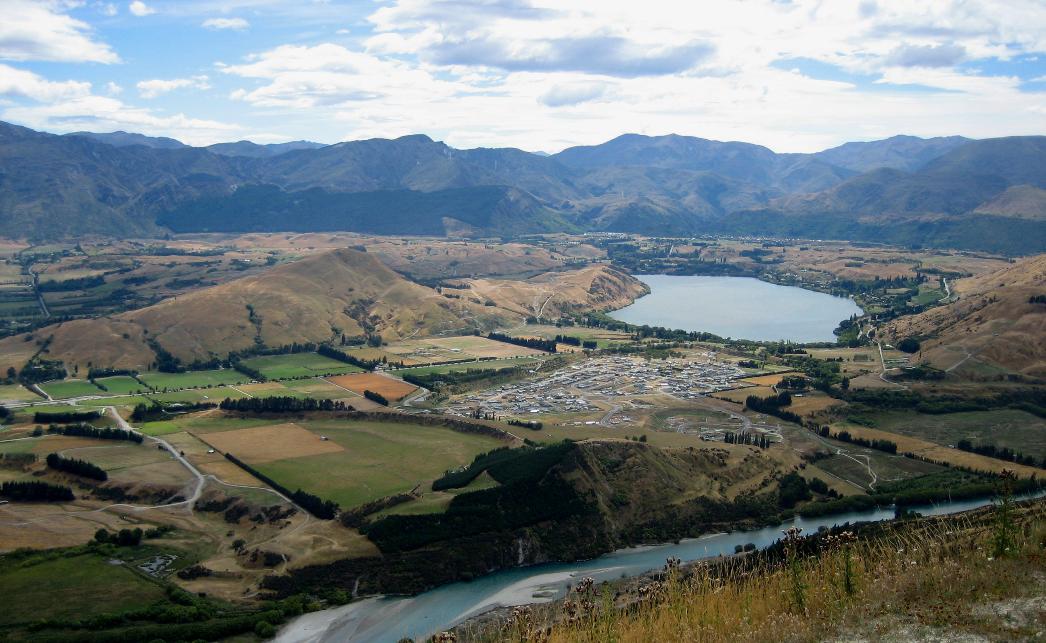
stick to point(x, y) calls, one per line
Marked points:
point(69, 106)
point(109, 9)
point(113, 89)
point(236, 24)
point(568, 95)
point(41, 31)
point(140, 9)
point(19, 83)
point(158, 86)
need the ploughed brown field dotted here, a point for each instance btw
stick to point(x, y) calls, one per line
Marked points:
point(391, 388)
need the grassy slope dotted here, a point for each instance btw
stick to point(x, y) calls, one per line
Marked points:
point(933, 580)
point(992, 320)
point(80, 586)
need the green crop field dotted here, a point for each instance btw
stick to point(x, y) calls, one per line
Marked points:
point(464, 366)
point(121, 385)
point(379, 459)
point(1018, 430)
point(276, 367)
point(75, 587)
point(61, 389)
point(193, 379)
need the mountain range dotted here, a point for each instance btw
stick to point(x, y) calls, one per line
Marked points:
point(952, 192)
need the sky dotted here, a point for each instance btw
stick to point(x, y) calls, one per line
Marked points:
point(539, 75)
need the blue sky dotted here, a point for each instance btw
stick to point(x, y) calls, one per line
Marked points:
point(533, 74)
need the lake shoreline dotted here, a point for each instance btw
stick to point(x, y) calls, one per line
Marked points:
point(745, 308)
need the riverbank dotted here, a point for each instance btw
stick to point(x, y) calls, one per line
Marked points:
point(809, 582)
point(389, 619)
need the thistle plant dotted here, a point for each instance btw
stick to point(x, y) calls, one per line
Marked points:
point(792, 542)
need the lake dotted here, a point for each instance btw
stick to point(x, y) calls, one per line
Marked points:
point(739, 308)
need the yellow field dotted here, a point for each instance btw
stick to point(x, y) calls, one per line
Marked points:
point(268, 443)
point(739, 394)
point(483, 347)
point(764, 380)
point(391, 388)
point(811, 403)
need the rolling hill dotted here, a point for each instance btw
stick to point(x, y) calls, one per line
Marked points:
point(992, 329)
point(315, 299)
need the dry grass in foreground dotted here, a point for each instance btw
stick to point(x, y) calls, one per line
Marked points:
point(972, 578)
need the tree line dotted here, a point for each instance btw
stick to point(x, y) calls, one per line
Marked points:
point(374, 396)
point(547, 345)
point(772, 406)
point(98, 433)
point(36, 491)
point(1000, 453)
point(745, 437)
point(282, 404)
point(77, 467)
point(65, 417)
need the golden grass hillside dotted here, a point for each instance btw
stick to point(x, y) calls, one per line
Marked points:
point(314, 299)
point(992, 323)
point(311, 300)
point(551, 294)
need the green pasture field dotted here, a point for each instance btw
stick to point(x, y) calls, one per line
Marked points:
point(61, 389)
point(74, 587)
point(888, 468)
point(193, 379)
point(1018, 430)
point(464, 366)
point(278, 367)
point(199, 424)
point(927, 295)
point(214, 395)
point(122, 385)
point(379, 459)
point(437, 501)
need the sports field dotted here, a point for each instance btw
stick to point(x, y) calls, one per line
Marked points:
point(393, 389)
point(277, 367)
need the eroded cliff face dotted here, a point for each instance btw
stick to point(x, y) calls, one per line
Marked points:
point(549, 295)
point(596, 497)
